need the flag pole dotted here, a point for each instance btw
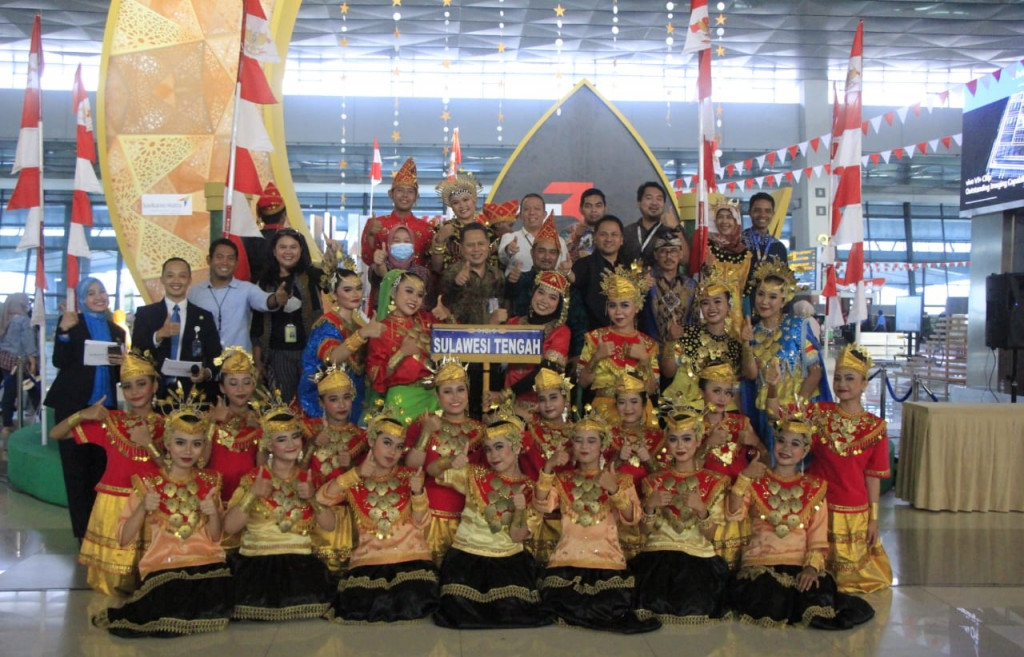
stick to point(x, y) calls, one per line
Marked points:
point(229, 190)
point(41, 275)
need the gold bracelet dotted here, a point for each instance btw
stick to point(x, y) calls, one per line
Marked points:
point(649, 518)
point(74, 420)
point(353, 342)
point(246, 501)
point(873, 511)
point(741, 486)
point(154, 451)
point(395, 360)
point(420, 503)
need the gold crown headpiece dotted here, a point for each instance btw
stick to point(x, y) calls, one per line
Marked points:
point(332, 377)
point(413, 279)
point(852, 357)
point(334, 261)
point(774, 268)
point(592, 420)
point(719, 372)
point(794, 419)
point(712, 283)
point(136, 364)
point(453, 188)
point(681, 412)
point(186, 412)
point(630, 382)
point(729, 204)
point(625, 283)
point(384, 421)
point(449, 370)
point(275, 416)
point(549, 379)
point(235, 360)
point(505, 423)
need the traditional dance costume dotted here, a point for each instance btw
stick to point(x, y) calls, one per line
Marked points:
point(277, 577)
point(112, 566)
point(846, 449)
point(608, 370)
point(790, 531)
point(729, 459)
point(635, 438)
point(488, 579)
point(331, 331)
point(679, 577)
point(186, 586)
point(391, 576)
point(586, 582)
point(403, 390)
point(233, 451)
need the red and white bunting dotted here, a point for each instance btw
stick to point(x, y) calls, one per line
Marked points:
point(85, 181)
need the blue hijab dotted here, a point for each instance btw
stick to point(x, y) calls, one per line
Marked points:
point(99, 329)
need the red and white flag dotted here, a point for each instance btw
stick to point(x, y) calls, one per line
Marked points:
point(28, 157)
point(698, 39)
point(455, 155)
point(85, 180)
point(376, 168)
point(847, 213)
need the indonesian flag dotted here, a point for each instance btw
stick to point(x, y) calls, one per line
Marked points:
point(455, 156)
point(376, 174)
point(28, 162)
point(847, 214)
point(698, 38)
point(85, 180)
point(257, 48)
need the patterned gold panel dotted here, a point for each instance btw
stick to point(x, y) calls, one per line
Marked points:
point(164, 120)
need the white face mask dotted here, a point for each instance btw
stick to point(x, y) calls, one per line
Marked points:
point(401, 251)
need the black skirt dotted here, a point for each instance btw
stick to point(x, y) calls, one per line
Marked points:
point(767, 596)
point(595, 598)
point(386, 594)
point(488, 592)
point(280, 587)
point(679, 588)
point(173, 603)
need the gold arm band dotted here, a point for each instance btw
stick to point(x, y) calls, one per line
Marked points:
point(873, 511)
point(420, 503)
point(74, 420)
point(395, 360)
point(620, 500)
point(742, 485)
point(545, 482)
point(815, 559)
point(349, 479)
point(154, 451)
point(354, 342)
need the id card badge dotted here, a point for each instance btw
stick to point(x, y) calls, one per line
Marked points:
point(492, 305)
point(291, 336)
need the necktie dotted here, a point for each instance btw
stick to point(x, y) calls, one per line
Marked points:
point(175, 339)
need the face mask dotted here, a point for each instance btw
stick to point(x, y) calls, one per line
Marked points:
point(401, 251)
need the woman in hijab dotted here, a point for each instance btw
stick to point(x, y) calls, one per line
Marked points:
point(17, 347)
point(79, 386)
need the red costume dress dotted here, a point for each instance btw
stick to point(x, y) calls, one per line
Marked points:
point(847, 449)
point(446, 503)
point(233, 452)
point(542, 439)
point(554, 349)
point(113, 567)
point(334, 547)
point(635, 438)
point(403, 389)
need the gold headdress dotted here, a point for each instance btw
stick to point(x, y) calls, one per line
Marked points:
point(275, 416)
point(629, 382)
point(384, 421)
point(506, 424)
point(794, 419)
point(773, 268)
point(592, 421)
point(332, 378)
point(332, 262)
point(719, 372)
point(137, 364)
point(186, 412)
point(623, 283)
point(406, 176)
point(449, 370)
point(712, 283)
point(681, 412)
point(453, 188)
point(549, 379)
point(235, 360)
point(730, 205)
point(552, 280)
point(852, 357)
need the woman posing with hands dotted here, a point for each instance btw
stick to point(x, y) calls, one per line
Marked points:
point(586, 582)
point(391, 576)
point(783, 578)
point(186, 586)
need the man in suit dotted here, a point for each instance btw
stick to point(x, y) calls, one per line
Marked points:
point(175, 329)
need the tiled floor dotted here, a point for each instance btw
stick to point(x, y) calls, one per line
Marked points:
point(960, 592)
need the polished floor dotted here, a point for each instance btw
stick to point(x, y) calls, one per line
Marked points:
point(960, 592)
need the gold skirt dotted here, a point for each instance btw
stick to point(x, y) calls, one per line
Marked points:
point(857, 567)
point(335, 547)
point(440, 535)
point(113, 568)
point(730, 539)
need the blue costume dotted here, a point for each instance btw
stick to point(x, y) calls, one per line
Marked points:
point(327, 333)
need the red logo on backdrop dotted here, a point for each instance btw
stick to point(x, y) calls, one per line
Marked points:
point(571, 204)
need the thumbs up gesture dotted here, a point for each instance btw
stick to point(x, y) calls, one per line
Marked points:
point(416, 482)
point(169, 329)
point(463, 276)
point(305, 487)
point(515, 272)
point(519, 499)
point(513, 247)
point(440, 311)
point(379, 256)
point(608, 479)
point(747, 330)
point(210, 505)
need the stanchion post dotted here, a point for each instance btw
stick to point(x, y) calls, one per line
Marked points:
point(885, 382)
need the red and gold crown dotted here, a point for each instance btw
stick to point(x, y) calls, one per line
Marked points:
point(406, 176)
point(548, 232)
point(271, 202)
point(852, 357)
point(553, 280)
point(499, 213)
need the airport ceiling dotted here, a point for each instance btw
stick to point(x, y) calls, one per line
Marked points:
point(760, 34)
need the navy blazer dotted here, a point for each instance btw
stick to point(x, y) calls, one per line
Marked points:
point(72, 388)
point(199, 325)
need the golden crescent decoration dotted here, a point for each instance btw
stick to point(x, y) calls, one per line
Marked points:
point(164, 110)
